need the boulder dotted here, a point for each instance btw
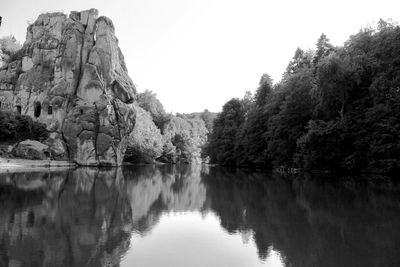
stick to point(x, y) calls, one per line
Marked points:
point(31, 149)
point(57, 148)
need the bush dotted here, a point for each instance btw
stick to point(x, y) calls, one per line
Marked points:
point(15, 127)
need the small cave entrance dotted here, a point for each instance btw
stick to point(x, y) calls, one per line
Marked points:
point(49, 110)
point(19, 109)
point(38, 109)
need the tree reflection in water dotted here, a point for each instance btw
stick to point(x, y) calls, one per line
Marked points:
point(85, 217)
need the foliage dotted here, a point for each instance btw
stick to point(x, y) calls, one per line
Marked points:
point(164, 137)
point(145, 142)
point(333, 82)
point(322, 146)
point(184, 139)
point(221, 147)
point(337, 108)
point(289, 123)
point(300, 60)
point(9, 47)
point(150, 103)
point(264, 90)
point(324, 48)
point(15, 127)
point(251, 144)
point(207, 116)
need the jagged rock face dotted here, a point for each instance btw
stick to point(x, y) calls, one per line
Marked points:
point(71, 75)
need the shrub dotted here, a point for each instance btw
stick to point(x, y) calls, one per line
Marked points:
point(15, 127)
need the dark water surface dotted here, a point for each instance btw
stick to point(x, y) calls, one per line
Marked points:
point(195, 216)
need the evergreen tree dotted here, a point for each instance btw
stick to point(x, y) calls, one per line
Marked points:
point(324, 48)
point(264, 90)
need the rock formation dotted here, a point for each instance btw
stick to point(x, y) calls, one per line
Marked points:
point(71, 75)
point(31, 149)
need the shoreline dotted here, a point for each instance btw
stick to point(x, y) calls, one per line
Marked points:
point(7, 164)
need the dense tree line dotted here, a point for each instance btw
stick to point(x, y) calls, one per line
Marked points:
point(335, 108)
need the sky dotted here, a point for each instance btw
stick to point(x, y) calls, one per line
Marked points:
point(198, 54)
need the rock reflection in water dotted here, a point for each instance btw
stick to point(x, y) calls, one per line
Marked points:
point(85, 217)
point(75, 218)
point(89, 217)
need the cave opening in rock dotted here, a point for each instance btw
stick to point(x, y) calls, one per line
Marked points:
point(49, 110)
point(19, 109)
point(38, 109)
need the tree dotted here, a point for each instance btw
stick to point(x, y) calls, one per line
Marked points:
point(322, 147)
point(149, 102)
point(221, 146)
point(252, 145)
point(324, 48)
point(183, 138)
point(264, 90)
point(145, 142)
point(334, 82)
point(300, 60)
point(289, 124)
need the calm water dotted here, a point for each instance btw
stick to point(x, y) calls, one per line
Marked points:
point(195, 216)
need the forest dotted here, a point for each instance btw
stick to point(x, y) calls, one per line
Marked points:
point(336, 108)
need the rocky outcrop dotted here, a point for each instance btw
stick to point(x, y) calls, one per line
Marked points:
point(71, 75)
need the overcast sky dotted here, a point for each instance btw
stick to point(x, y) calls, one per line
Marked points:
point(197, 54)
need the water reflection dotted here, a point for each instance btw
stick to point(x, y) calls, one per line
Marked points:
point(113, 217)
point(78, 218)
point(152, 190)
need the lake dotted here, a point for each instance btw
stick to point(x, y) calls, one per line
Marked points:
point(196, 215)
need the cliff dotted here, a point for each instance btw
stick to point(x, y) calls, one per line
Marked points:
point(70, 74)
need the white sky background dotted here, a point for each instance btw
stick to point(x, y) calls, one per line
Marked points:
point(198, 54)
